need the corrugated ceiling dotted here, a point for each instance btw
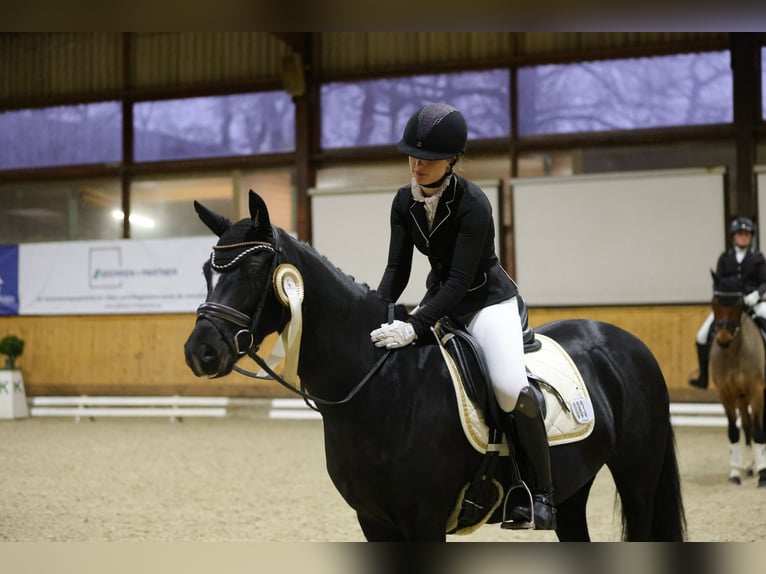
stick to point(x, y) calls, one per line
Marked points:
point(40, 66)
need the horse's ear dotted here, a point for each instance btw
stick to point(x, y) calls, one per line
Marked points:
point(259, 214)
point(216, 223)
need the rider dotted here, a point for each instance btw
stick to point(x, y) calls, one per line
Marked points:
point(449, 219)
point(748, 265)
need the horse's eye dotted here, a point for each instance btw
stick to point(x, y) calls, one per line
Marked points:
point(253, 268)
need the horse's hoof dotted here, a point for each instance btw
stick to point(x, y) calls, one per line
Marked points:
point(735, 480)
point(749, 472)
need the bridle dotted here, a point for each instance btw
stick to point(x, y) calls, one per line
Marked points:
point(244, 339)
point(288, 287)
point(731, 326)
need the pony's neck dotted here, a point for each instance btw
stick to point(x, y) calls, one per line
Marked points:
point(747, 336)
point(338, 315)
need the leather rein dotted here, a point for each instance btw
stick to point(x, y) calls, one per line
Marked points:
point(243, 342)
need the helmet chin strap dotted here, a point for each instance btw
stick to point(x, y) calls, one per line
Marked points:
point(440, 181)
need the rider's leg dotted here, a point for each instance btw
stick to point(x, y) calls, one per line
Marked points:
point(497, 330)
point(759, 315)
point(703, 353)
point(533, 440)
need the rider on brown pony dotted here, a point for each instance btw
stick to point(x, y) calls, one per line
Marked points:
point(747, 264)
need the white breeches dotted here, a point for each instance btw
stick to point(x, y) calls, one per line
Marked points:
point(497, 330)
point(759, 310)
point(702, 333)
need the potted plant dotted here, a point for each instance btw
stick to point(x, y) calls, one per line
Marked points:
point(13, 398)
point(12, 347)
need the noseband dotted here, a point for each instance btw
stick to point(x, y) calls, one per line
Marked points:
point(210, 309)
point(732, 326)
point(244, 340)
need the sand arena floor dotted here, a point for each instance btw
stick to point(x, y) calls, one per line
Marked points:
point(246, 477)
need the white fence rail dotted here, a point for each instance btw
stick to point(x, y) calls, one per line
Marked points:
point(291, 409)
point(697, 415)
point(681, 414)
point(175, 408)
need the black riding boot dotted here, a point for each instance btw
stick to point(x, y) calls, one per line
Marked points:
point(527, 419)
point(703, 355)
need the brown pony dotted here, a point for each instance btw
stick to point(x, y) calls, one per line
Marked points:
point(737, 361)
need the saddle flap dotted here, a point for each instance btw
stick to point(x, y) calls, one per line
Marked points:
point(469, 361)
point(472, 368)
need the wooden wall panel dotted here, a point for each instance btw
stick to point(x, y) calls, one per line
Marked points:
point(120, 355)
point(668, 331)
point(143, 355)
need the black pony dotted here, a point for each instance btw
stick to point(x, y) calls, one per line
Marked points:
point(394, 446)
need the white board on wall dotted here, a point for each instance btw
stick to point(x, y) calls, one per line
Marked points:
point(350, 226)
point(618, 239)
point(761, 183)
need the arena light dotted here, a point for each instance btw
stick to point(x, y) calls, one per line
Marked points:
point(135, 219)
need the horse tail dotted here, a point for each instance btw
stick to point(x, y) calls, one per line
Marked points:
point(668, 515)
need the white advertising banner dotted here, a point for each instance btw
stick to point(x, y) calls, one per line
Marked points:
point(112, 277)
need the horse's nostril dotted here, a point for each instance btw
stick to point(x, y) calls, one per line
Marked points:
point(723, 342)
point(204, 360)
point(208, 354)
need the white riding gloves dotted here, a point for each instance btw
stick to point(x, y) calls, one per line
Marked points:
point(752, 298)
point(393, 335)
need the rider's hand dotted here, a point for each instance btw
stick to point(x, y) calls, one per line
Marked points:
point(752, 298)
point(393, 335)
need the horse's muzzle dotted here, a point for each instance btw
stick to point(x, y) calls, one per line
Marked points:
point(724, 339)
point(206, 360)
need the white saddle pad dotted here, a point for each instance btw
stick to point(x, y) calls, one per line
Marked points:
point(566, 423)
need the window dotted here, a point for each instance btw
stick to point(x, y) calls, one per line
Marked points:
point(65, 135)
point(374, 112)
point(276, 187)
point(163, 207)
point(244, 124)
point(59, 211)
point(687, 89)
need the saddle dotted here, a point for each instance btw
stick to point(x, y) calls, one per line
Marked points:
point(481, 498)
point(469, 359)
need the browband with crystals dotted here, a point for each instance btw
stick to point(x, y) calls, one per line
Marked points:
point(253, 246)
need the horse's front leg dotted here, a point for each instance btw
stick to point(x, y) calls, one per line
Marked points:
point(375, 530)
point(736, 455)
point(759, 437)
point(747, 428)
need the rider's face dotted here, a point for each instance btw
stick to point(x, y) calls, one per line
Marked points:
point(427, 171)
point(743, 238)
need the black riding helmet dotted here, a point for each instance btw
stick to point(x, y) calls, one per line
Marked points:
point(742, 224)
point(435, 131)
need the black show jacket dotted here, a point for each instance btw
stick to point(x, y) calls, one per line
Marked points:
point(465, 273)
point(751, 273)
